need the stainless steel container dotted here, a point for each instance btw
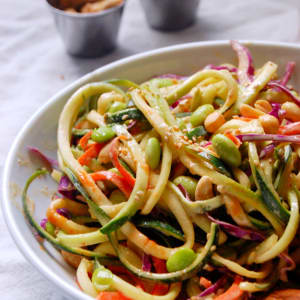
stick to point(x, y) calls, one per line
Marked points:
point(170, 14)
point(88, 34)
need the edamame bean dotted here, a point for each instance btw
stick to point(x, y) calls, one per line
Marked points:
point(103, 134)
point(50, 228)
point(102, 279)
point(117, 196)
point(199, 115)
point(188, 183)
point(181, 259)
point(153, 152)
point(117, 106)
point(227, 150)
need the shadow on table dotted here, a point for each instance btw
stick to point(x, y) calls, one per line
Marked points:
point(199, 31)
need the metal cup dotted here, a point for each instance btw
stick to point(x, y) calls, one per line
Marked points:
point(170, 14)
point(88, 34)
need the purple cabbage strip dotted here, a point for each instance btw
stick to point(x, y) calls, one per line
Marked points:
point(276, 107)
point(269, 137)
point(282, 88)
point(248, 172)
point(43, 223)
point(176, 103)
point(184, 191)
point(239, 232)
point(218, 68)
point(206, 144)
point(146, 263)
point(131, 124)
point(66, 187)
point(288, 73)
point(213, 288)
point(245, 69)
point(48, 162)
point(290, 265)
point(171, 76)
point(267, 150)
point(64, 212)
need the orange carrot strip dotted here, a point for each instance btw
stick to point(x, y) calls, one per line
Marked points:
point(205, 282)
point(289, 294)
point(290, 129)
point(90, 153)
point(83, 142)
point(115, 160)
point(159, 289)
point(111, 296)
point(234, 292)
point(234, 139)
point(116, 179)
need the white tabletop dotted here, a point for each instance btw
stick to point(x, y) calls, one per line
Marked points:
point(34, 66)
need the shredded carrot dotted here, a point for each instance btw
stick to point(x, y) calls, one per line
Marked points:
point(205, 282)
point(234, 139)
point(111, 296)
point(288, 294)
point(159, 289)
point(116, 179)
point(290, 129)
point(234, 292)
point(90, 153)
point(115, 160)
point(83, 142)
point(159, 265)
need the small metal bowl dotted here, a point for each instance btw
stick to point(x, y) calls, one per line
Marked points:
point(88, 34)
point(170, 14)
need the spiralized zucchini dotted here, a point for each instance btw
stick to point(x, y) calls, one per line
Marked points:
point(131, 203)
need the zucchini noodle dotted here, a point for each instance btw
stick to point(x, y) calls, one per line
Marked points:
point(178, 185)
point(162, 181)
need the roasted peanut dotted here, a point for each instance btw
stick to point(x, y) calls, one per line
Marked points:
point(204, 189)
point(269, 123)
point(214, 121)
point(250, 112)
point(292, 111)
point(263, 105)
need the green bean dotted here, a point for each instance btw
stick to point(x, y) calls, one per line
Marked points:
point(153, 152)
point(117, 106)
point(102, 279)
point(117, 196)
point(188, 183)
point(227, 150)
point(103, 134)
point(199, 115)
point(181, 259)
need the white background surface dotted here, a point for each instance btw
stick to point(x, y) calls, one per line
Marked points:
point(34, 66)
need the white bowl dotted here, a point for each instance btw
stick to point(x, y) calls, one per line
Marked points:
point(40, 131)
